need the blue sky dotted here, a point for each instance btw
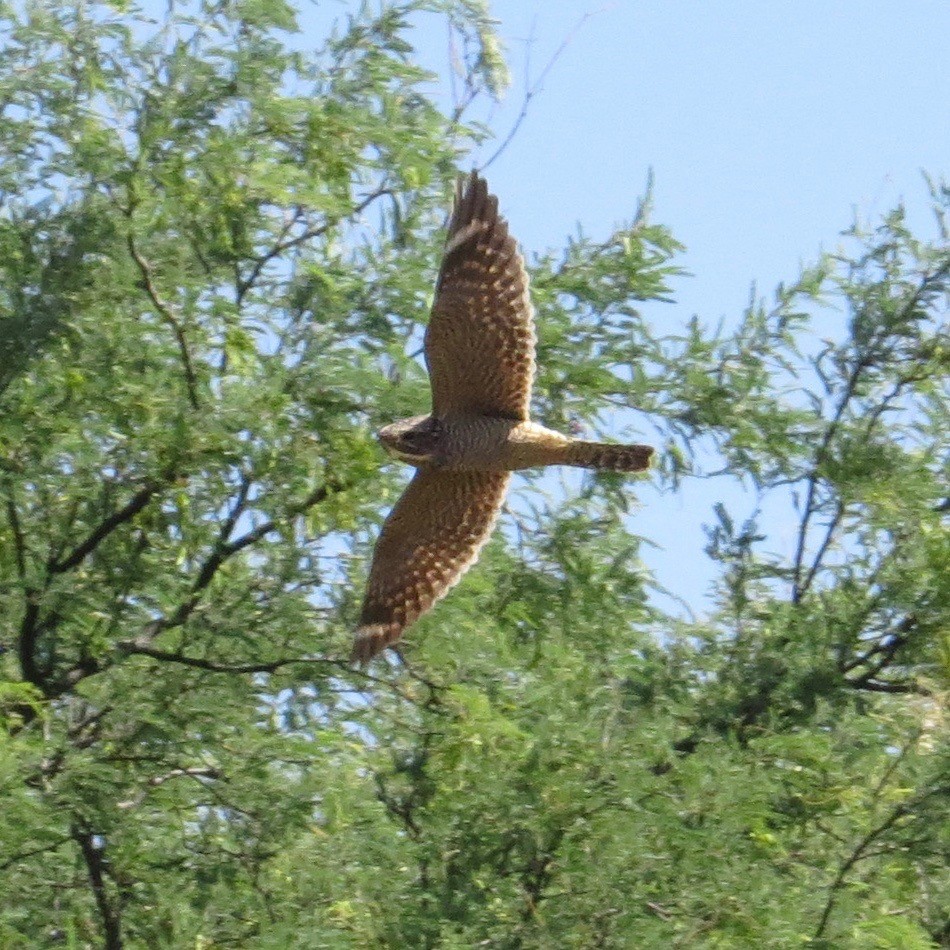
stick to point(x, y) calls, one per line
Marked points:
point(766, 124)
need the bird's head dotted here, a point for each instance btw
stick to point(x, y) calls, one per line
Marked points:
point(412, 440)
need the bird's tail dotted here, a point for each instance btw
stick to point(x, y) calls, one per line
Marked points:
point(616, 458)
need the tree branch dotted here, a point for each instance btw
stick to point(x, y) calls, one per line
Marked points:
point(226, 549)
point(864, 361)
point(33, 852)
point(222, 550)
point(195, 772)
point(142, 648)
point(285, 244)
point(830, 530)
point(900, 688)
point(26, 646)
point(128, 511)
point(534, 88)
point(861, 851)
point(798, 587)
point(166, 313)
point(29, 624)
point(885, 648)
point(19, 544)
point(96, 869)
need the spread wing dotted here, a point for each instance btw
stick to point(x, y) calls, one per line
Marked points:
point(429, 540)
point(479, 344)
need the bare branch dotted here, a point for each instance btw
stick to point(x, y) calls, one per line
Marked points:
point(534, 88)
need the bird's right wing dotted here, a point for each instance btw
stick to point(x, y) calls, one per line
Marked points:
point(479, 344)
point(429, 540)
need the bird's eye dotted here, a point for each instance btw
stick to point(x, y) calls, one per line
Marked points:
point(423, 436)
point(413, 438)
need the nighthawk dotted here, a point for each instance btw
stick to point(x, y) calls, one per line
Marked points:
point(479, 349)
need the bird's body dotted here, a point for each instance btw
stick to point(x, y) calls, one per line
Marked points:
point(481, 443)
point(479, 348)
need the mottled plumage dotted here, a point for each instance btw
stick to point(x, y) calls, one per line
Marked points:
point(429, 540)
point(479, 349)
point(479, 344)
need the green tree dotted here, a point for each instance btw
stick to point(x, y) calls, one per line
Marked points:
point(217, 250)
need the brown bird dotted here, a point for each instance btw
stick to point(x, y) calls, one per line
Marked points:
point(479, 348)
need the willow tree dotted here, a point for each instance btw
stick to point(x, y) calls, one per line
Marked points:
point(217, 251)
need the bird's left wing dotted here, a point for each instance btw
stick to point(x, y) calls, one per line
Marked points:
point(429, 540)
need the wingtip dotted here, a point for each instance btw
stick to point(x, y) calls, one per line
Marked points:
point(467, 180)
point(474, 205)
point(471, 188)
point(371, 640)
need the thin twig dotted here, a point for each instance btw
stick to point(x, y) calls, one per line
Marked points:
point(861, 851)
point(532, 90)
point(126, 513)
point(246, 283)
point(32, 853)
point(166, 313)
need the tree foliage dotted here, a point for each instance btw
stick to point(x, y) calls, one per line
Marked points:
point(217, 247)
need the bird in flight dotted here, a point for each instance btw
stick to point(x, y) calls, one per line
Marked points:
point(479, 349)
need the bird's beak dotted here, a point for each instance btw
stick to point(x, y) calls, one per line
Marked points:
point(387, 439)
